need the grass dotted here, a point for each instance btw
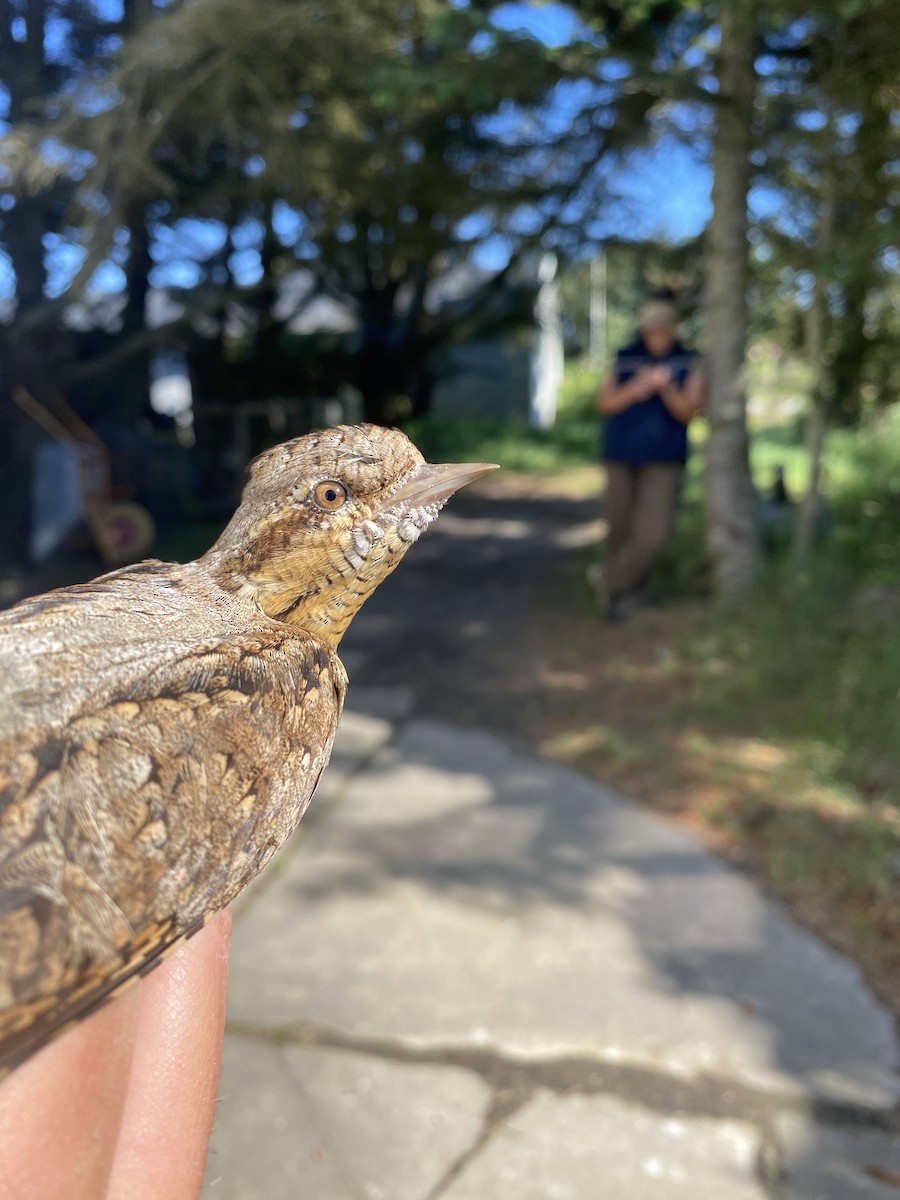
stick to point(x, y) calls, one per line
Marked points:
point(771, 732)
point(815, 659)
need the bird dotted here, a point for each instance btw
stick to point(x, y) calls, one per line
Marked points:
point(164, 726)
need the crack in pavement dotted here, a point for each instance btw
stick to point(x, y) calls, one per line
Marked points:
point(514, 1080)
point(510, 1076)
point(504, 1103)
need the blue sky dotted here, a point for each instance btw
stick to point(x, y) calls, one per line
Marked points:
point(552, 24)
point(661, 192)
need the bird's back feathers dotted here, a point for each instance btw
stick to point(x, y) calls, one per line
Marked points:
point(135, 803)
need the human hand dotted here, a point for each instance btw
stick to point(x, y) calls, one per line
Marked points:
point(650, 380)
point(121, 1107)
point(661, 377)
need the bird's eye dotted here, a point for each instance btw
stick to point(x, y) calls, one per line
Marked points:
point(330, 494)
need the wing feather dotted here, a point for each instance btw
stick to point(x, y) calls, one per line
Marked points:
point(127, 826)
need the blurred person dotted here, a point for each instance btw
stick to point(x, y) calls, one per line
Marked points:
point(653, 392)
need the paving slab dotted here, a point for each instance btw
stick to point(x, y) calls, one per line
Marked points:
point(826, 1163)
point(361, 734)
point(462, 893)
point(597, 1148)
point(295, 1122)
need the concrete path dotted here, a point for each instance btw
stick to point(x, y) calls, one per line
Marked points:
point(475, 975)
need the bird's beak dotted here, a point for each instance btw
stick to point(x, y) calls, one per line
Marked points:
point(433, 484)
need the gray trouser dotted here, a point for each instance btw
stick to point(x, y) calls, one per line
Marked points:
point(641, 501)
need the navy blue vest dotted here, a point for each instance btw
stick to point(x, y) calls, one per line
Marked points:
point(647, 432)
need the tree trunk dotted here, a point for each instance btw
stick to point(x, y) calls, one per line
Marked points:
point(853, 343)
point(267, 329)
point(134, 373)
point(386, 358)
point(732, 530)
point(17, 448)
point(29, 81)
point(816, 417)
point(23, 361)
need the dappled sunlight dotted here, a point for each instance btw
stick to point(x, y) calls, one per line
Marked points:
point(479, 527)
point(577, 483)
point(573, 681)
point(662, 666)
point(653, 715)
point(756, 754)
point(597, 740)
point(577, 924)
point(581, 536)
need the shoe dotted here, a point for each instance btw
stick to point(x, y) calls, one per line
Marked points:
point(617, 611)
point(620, 608)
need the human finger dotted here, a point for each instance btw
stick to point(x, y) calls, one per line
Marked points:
point(60, 1111)
point(174, 1078)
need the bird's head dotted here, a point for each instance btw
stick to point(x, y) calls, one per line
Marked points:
point(325, 518)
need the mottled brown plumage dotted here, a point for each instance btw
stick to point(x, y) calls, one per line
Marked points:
point(163, 728)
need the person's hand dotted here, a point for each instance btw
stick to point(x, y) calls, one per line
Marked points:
point(121, 1107)
point(650, 380)
point(661, 377)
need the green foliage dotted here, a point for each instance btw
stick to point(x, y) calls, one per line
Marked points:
point(811, 667)
point(371, 147)
point(829, 143)
point(578, 393)
point(817, 661)
point(866, 500)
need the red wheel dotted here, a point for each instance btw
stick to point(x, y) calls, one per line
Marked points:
point(123, 531)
